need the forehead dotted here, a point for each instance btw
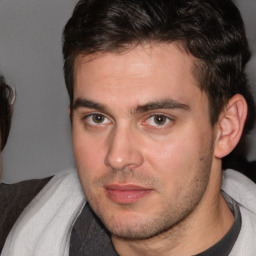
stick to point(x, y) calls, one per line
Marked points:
point(149, 71)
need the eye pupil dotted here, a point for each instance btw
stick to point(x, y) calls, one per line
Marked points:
point(98, 118)
point(160, 119)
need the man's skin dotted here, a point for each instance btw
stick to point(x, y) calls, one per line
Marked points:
point(148, 158)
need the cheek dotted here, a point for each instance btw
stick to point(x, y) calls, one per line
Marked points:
point(170, 155)
point(89, 154)
point(178, 156)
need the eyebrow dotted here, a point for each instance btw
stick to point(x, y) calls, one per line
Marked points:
point(162, 104)
point(85, 103)
point(154, 105)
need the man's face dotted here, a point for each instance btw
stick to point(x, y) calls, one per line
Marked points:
point(142, 138)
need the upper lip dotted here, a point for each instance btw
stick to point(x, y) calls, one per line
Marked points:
point(125, 187)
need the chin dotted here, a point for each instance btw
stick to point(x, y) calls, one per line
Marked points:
point(134, 226)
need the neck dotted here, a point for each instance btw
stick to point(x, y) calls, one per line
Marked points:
point(203, 228)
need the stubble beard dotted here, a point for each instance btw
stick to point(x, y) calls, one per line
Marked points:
point(169, 220)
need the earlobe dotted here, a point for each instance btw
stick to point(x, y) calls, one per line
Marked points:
point(230, 126)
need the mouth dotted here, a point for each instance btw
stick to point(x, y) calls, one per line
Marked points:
point(126, 193)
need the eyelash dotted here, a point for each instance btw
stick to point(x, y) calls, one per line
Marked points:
point(88, 120)
point(166, 120)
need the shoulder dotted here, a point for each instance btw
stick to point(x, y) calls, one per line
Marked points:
point(243, 191)
point(240, 164)
point(20, 194)
point(245, 244)
point(13, 199)
point(21, 188)
point(240, 188)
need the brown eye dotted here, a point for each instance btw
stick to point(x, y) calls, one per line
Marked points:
point(160, 119)
point(98, 119)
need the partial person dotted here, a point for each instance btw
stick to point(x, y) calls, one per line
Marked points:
point(158, 97)
point(13, 198)
point(7, 96)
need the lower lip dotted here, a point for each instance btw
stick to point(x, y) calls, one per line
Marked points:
point(126, 196)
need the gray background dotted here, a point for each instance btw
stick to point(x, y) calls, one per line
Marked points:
point(31, 60)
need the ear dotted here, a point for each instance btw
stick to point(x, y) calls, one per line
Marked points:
point(230, 125)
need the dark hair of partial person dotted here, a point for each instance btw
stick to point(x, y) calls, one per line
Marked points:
point(210, 30)
point(6, 106)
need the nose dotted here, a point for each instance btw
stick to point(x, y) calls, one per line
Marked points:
point(124, 150)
